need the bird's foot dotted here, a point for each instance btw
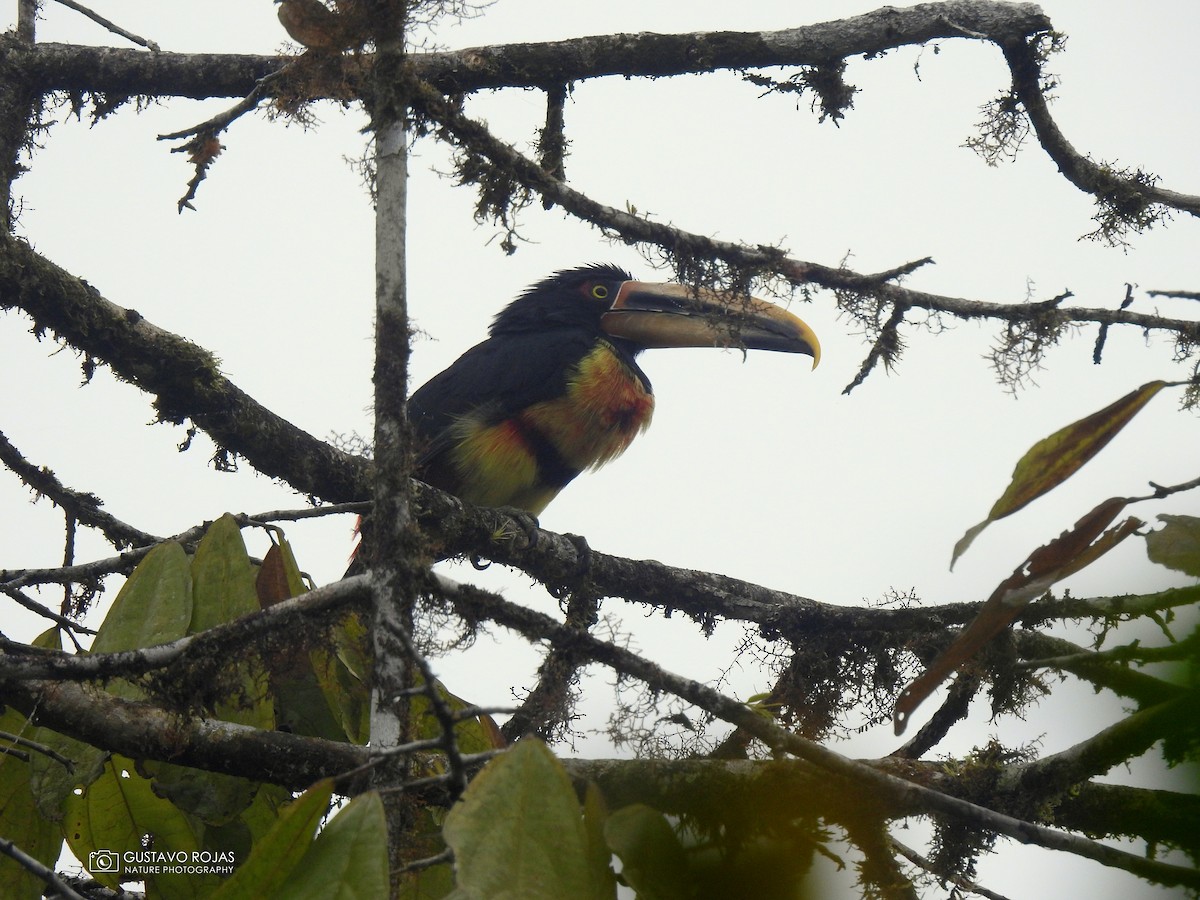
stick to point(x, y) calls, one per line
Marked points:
point(577, 580)
point(526, 520)
point(583, 554)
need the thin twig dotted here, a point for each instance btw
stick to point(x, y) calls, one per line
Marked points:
point(84, 507)
point(958, 881)
point(447, 741)
point(68, 626)
point(53, 754)
point(1180, 295)
point(48, 875)
point(111, 26)
point(446, 856)
point(478, 605)
point(205, 145)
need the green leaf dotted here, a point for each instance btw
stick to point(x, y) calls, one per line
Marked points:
point(470, 733)
point(1054, 459)
point(277, 853)
point(348, 860)
point(115, 813)
point(317, 693)
point(213, 797)
point(222, 580)
point(1177, 544)
point(652, 859)
point(51, 781)
point(599, 856)
point(19, 818)
point(222, 577)
point(344, 674)
point(154, 606)
point(518, 832)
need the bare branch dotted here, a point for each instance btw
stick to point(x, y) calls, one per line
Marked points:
point(48, 875)
point(476, 605)
point(144, 731)
point(1131, 737)
point(184, 378)
point(923, 862)
point(22, 662)
point(84, 507)
point(54, 67)
point(69, 626)
point(1181, 295)
point(1126, 199)
point(111, 26)
point(1045, 651)
point(17, 741)
point(684, 247)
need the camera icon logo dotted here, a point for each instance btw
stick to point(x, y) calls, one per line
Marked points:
point(104, 861)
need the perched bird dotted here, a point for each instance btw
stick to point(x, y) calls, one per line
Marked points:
point(313, 24)
point(556, 388)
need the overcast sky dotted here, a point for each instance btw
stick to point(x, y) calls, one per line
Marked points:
point(756, 467)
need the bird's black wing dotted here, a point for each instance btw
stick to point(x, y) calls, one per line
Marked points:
point(496, 379)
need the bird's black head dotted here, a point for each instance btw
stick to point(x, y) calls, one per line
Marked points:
point(572, 298)
point(605, 301)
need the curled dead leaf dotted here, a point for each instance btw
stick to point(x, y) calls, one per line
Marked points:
point(1071, 551)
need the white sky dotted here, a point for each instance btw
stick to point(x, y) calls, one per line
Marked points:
point(758, 469)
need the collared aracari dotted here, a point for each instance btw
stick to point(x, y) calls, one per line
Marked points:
point(556, 388)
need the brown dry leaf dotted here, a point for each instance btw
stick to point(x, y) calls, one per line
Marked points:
point(206, 151)
point(272, 581)
point(1065, 555)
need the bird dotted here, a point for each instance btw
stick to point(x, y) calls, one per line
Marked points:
point(556, 388)
point(313, 24)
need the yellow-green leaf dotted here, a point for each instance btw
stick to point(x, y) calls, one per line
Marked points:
point(595, 817)
point(348, 860)
point(1054, 459)
point(1177, 544)
point(222, 580)
point(518, 831)
point(277, 853)
point(222, 577)
point(114, 814)
point(154, 605)
point(652, 859)
point(20, 821)
point(471, 735)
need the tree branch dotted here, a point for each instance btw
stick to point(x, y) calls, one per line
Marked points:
point(684, 247)
point(1115, 810)
point(46, 874)
point(1125, 196)
point(84, 507)
point(144, 731)
point(184, 378)
point(56, 67)
point(111, 26)
point(474, 605)
point(1042, 650)
point(1053, 775)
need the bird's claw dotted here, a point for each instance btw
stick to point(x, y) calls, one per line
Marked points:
point(583, 554)
point(528, 522)
point(583, 566)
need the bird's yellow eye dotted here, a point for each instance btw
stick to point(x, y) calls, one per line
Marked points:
point(600, 291)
